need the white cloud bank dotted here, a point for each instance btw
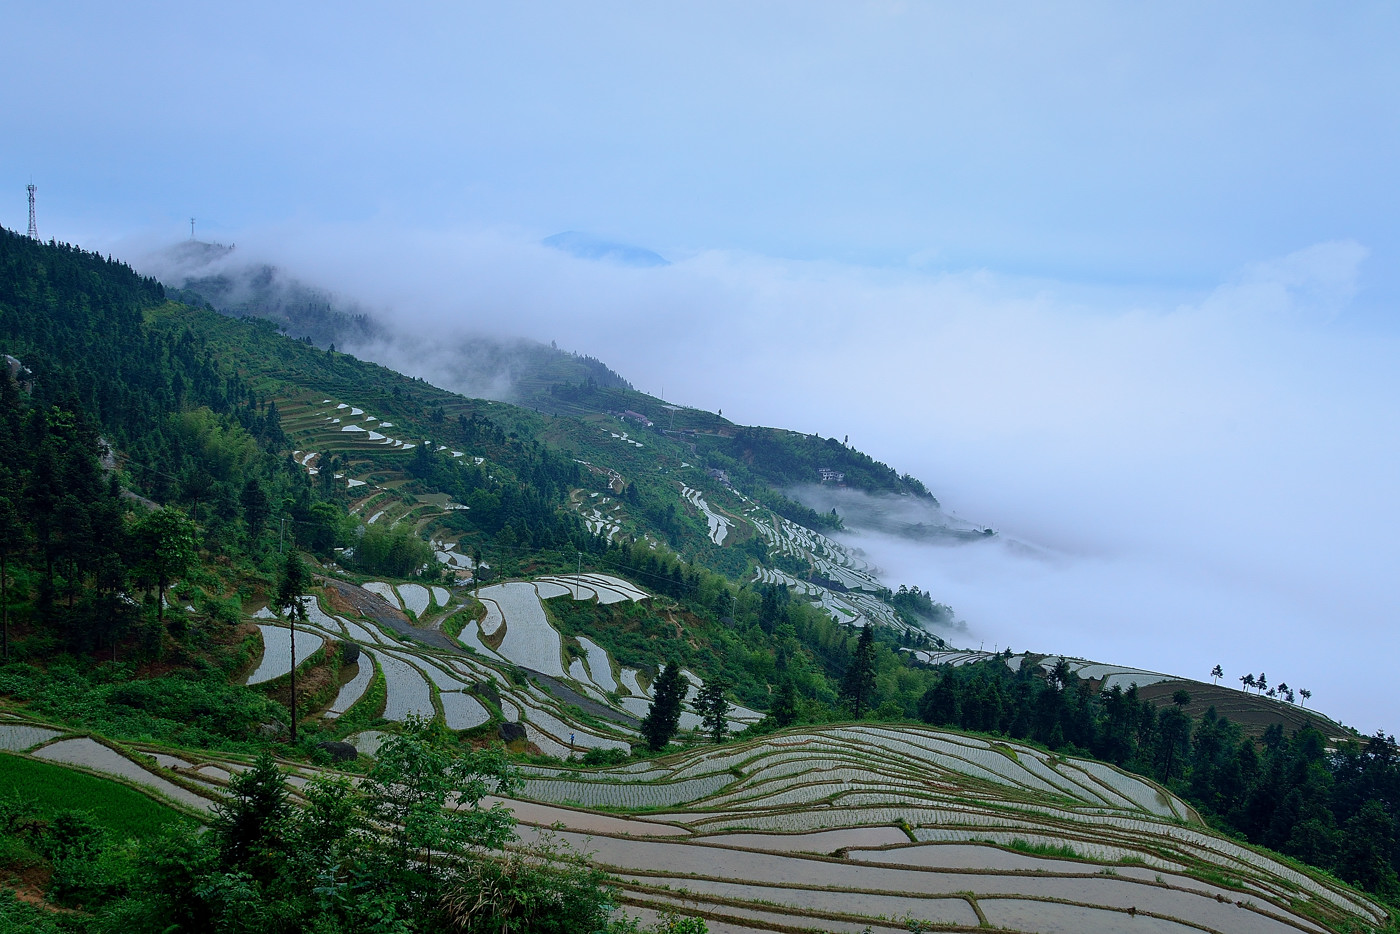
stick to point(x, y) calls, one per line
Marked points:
point(1204, 481)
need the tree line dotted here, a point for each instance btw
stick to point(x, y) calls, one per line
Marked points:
point(1332, 807)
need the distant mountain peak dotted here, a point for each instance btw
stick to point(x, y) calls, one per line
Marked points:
point(587, 246)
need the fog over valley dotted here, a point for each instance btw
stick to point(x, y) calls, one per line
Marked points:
point(1175, 481)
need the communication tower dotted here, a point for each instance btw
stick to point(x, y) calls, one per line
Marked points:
point(33, 224)
point(191, 228)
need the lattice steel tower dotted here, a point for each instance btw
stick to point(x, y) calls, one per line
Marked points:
point(33, 224)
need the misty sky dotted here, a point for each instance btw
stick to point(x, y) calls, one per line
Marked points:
point(1118, 280)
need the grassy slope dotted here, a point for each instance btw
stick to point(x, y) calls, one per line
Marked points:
point(1253, 713)
point(121, 810)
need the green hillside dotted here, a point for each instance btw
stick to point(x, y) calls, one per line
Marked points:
point(557, 578)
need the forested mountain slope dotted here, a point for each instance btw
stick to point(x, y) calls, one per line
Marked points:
point(552, 579)
point(528, 373)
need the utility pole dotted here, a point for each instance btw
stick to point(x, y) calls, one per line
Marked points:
point(281, 534)
point(578, 574)
point(292, 634)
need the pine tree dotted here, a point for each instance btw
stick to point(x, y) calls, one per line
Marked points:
point(713, 708)
point(250, 823)
point(858, 687)
point(290, 591)
point(12, 533)
point(784, 710)
point(664, 716)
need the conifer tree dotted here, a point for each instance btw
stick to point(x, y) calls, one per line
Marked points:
point(784, 710)
point(713, 708)
point(290, 590)
point(11, 534)
point(858, 687)
point(251, 821)
point(664, 716)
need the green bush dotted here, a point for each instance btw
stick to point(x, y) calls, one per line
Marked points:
point(393, 551)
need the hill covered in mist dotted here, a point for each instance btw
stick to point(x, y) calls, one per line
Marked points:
point(482, 364)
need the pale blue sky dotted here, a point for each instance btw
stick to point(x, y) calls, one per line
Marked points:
point(1118, 279)
point(1163, 145)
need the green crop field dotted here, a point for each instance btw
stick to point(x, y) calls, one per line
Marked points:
point(123, 811)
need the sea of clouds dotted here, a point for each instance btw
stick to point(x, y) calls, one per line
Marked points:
point(1176, 480)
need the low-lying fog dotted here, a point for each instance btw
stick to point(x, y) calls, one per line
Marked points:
point(1175, 480)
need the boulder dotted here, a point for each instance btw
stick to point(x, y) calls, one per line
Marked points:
point(349, 653)
point(510, 732)
point(340, 752)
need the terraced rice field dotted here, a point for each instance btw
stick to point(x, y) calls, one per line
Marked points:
point(834, 560)
point(277, 651)
point(768, 816)
point(719, 524)
point(407, 691)
point(415, 598)
point(462, 711)
point(602, 587)
point(632, 685)
point(352, 690)
point(385, 590)
point(530, 640)
point(845, 827)
point(1109, 675)
point(17, 737)
point(91, 755)
point(122, 810)
point(599, 665)
point(855, 606)
point(951, 848)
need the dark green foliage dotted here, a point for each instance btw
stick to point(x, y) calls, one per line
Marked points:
point(82, 850)
point(789, 458)
point(391, 550)
point(858, 686)
point(664, 716)
point(17, 916)
point(915, 605)
point(116, 396)
point(292, 585)
point(713, 708)
point(784, 710)
point(939, 705)
point(551, 890)
point(164, 540)
point(185, 708)
point(249, 823)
